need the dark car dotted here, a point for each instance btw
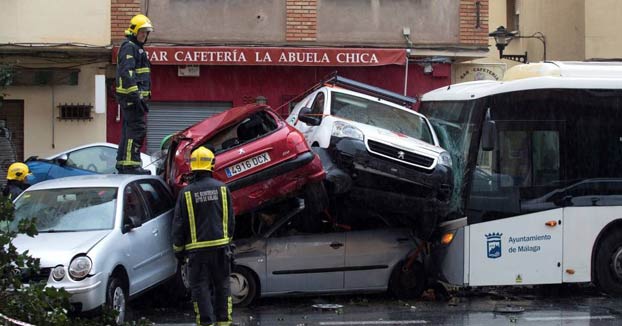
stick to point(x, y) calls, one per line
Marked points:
point(260, 157)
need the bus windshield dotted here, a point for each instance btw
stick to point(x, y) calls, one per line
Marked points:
point(454, 123)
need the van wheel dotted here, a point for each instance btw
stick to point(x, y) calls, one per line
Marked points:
point(243, 287)
point(116, 298)
point(608, 263)
point(407, 284)
point(316, 199)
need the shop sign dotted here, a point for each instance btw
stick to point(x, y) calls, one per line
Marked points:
point(473, 72)
point(272, 56)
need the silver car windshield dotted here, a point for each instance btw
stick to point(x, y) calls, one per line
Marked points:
point(67, 210)
point(380, 115)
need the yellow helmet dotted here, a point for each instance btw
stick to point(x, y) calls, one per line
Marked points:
point(139, 22)
point(202, 159)
point(17, 171)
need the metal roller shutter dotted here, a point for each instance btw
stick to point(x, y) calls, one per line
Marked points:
point(165, 118)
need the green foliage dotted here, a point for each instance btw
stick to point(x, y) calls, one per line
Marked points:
point(33, 302)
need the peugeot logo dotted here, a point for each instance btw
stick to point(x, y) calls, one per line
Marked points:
point(241, 151)
point(400, 155)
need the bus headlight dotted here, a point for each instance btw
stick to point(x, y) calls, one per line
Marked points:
point(346, 130)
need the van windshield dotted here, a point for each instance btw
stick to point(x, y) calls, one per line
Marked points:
point(380, 115)
point(67, 210)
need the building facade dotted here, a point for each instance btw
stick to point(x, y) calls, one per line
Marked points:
point(208, 56)
point(53, 50)
point(573, 30)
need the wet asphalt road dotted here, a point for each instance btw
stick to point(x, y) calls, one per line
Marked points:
point(567, 305)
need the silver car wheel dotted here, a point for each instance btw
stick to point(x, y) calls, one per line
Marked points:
point(239, 287)
point(118, 304)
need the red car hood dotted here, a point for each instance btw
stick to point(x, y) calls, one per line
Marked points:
point(212, 125)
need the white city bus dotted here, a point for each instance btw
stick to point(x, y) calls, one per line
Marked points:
point(537, 163)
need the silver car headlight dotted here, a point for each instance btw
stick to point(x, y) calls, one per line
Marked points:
point(58, 273)
point(80, 267)
point(445, 159)
point(346, 130)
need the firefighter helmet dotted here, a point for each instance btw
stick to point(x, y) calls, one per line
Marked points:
point(17, 171)
point(202, 159)
point(137, 23)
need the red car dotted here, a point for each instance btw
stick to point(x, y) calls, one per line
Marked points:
point(260, 157)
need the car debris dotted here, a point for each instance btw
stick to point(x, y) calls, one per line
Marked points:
point(261, 158)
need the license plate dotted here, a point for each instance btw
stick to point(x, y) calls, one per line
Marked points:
point(247, 165)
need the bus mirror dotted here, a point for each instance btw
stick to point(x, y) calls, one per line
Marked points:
point(489, 135)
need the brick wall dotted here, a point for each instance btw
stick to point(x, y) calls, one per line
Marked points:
point(470, 32)
point(301, 20)
point(122, 12)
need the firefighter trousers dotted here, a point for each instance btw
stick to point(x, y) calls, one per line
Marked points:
point(133, 134)
point(205, 268)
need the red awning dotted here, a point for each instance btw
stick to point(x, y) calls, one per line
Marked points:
point(272, 56)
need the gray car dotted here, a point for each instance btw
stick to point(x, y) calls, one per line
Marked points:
point(300, 254)
point(104, 238)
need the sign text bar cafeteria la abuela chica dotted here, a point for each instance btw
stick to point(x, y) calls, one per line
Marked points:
point(272, 56)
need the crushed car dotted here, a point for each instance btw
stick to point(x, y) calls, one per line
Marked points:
point(293, 253)
point(260, 157)
point(95, 158)
point(377, 151)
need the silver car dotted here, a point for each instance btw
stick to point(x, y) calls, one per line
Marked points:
point(104, 238)
point(297, 254)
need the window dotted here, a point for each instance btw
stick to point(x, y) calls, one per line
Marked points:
point(380, 115)
point(133, 205)
point(100, 159)
point(253, 127)
point(156, 197)
point(555, 148)
point(318, 105)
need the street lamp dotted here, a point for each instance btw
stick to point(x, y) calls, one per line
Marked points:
point(503, 37)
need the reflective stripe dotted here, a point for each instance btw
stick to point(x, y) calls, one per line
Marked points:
point(129, 56)
point(128, 149)
point(225, 212)
point(129, 163)
point(145, 93)
point(229, 309)
point(122, 90)
point(206, 244)
point(178, 248)
point(143, 70)
point(197, 313)
point(193, 226)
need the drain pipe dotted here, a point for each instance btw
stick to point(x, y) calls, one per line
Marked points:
point(406, 72)
point(53, 118)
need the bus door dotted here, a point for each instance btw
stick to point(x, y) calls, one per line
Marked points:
point(515, 229)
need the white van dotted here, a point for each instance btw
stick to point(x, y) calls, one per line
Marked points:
point(373, 146)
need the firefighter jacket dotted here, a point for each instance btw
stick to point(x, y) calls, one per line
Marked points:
point(13, 189)
point(133, 73)
point(203, 217)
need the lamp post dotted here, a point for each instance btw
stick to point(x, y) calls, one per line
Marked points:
point(503, 37)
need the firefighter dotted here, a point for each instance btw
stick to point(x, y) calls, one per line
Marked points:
point(16, 180)
point(133, 90)
point(203, 226)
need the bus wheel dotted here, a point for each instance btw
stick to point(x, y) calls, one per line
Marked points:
point(608, 264)
point(407, 283)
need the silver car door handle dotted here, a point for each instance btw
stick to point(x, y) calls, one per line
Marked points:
point(336, 245)
point(155, 231)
